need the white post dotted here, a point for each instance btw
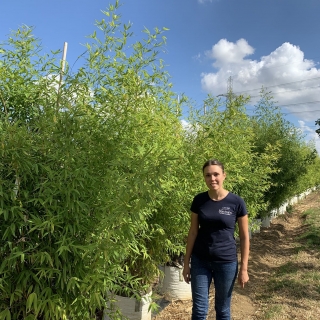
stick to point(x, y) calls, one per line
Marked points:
point(63, 62)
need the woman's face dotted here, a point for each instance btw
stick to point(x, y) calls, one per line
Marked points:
point(214, 177)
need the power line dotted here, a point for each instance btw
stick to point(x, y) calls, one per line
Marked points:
point(299, 111)
point(296, 104)
point(290, 90)
point(285, 106)
point(291, 112)
point(277, 85)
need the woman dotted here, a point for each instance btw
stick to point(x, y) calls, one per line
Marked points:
point(211, 244)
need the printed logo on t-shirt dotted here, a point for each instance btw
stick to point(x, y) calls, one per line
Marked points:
point(226, 211)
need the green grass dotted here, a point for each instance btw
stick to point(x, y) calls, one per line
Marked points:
point(287, 268)
point(312, 235)
point(272, 311)
point(289, 208)
point(297, 279)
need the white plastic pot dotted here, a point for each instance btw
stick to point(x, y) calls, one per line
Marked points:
point(265, 223)
point(131, 308)
point(173, 285)
point(273, 214)
point(294, 200)
point(282, 209)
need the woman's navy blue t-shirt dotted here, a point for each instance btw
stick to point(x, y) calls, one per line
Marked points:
point(215, 240)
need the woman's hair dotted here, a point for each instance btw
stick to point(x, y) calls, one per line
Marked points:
point(213, 162)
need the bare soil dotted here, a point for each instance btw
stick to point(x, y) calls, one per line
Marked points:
point(284, 274)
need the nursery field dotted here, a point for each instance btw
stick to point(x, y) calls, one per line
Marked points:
point(284, 270)
point(99, 166)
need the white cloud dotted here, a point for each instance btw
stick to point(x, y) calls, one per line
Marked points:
point(185, 124)
point(226, 53)
point(189, 129)
point(311, 135)
point(203, 1)
point(198, 57)
point(292, 79)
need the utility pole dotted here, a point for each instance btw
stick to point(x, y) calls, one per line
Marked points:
point(229, 95)
point(229, 90)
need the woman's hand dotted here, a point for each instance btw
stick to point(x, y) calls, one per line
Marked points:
point(243, 277)
point(243, 223)
point(186, 273)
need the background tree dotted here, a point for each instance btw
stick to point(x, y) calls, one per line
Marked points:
point(226, 133)
point(318, 123)
point(294, 155)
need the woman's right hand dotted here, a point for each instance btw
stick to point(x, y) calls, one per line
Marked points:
point(186, 273)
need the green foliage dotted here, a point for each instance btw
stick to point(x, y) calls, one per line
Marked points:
point(229, 136)
point(318, 123)
point(97, 172)
point(85, 165)
point(312, 234)
point(295, 163)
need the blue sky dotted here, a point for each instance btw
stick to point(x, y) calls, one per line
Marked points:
point(274, 43)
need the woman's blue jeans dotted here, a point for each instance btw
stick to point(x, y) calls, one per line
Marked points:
point(223, 275)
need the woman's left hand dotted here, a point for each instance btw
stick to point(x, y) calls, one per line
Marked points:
point(243, 277)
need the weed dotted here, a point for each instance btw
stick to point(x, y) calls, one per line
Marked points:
point(289, 208)
point(312, 235)
point(272, 311)
point(289, 267)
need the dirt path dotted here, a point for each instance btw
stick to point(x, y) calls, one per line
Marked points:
point(275, 250)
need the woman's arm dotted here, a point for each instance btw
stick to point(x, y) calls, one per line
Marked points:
point(244, 249)
point(193, 231)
